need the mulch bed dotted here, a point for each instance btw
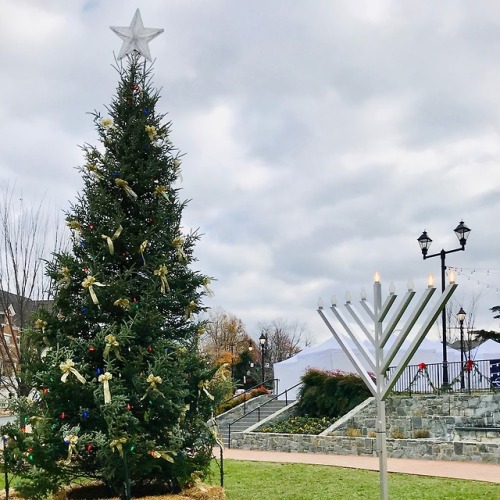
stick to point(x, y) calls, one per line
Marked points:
point(97, 492)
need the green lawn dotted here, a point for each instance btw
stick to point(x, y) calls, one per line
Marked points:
point(245, 480)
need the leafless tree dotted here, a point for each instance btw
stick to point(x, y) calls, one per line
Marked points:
point(28, 234)
point(284, 339)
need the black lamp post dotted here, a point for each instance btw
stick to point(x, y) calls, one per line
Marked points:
point(461, 317)
point(263, 342)
point(462, 232)
point(231, 345)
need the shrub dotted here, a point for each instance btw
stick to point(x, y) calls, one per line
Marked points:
point(235, 401)
point(299, 425)
point(397, 434)
point(421, 433)
point(330, 394)
point(353, 432)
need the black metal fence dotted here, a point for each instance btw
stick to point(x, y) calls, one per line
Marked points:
point(428, 378)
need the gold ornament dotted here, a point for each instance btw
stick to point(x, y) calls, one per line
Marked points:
point(105, 378)
point(177, 169)
point(89, 282)
point(161, 454)
point(40, 324)
point(178, 244)
point(128, 190)
point(110, 239)
point(203, 385)
point(68, 367)
point(162, 273)
point(208, 292)
point(153, 381)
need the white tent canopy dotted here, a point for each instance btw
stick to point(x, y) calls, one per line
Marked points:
point(330, 356)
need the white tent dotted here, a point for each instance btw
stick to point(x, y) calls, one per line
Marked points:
point(330, 356)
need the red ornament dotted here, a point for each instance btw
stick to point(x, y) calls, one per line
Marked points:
point(89, 447)
point(45, 390)
point(63, 415)
point(91, 349)
point(469, 365)
point(129, 407)
point(91, 226)
point(422, 366)
point(150, 349)
point(23, 429)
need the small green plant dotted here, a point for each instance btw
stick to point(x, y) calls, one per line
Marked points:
point(372, 434)
point(421, 433)
point(353, 432)
point(299, 425)
point(398, 434)
point(233, 402)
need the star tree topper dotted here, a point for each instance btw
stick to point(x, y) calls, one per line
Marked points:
point(136, 37)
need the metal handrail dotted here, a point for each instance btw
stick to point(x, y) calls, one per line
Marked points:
point(274, 398)
point(275, 382)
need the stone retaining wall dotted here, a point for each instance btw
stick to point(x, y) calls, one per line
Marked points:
point(427, 449)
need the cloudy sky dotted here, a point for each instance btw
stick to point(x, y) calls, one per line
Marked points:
point(321, 138)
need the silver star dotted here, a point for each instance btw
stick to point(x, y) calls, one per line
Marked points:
point(136, 37)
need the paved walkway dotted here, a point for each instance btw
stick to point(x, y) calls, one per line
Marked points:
point(457, 470)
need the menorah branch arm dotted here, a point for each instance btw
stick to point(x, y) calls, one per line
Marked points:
point(445, 297)
point(368, 309)
point(361, 325)
point(386, 307)
point(362, 349)
point(396, 317)
point(407, 328)
point(351, 356)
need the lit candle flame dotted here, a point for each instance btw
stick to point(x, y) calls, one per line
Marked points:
point(430, 281)
point(377, 277)
point(451, 276)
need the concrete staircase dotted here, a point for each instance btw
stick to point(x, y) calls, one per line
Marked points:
point(252, 417)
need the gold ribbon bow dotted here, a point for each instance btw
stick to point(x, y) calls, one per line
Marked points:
point(110, 239)
point(40, 324)
point(123, 303)
point(208, 292)
point(128, 190)
point(162, 191)
point(111, 342)
point(89, 282)
point(118, 444)
point(66, 278)
point(68, 367)
point(142, 249)
point(162, 273)
point(105, 378)
point(191, 307)
point(161, 454)
point(177, 169)
point(70, 440)
point(178, 244)
point(203, 386)
point(95, 171)
point(75, 225)
point(153, 381)
point(151, 131)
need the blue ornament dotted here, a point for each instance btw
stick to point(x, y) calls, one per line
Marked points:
point(98, 371)
point(82, 243)
point(146, 111)
point(116, 173)
point(85, 414)
point(84, 310)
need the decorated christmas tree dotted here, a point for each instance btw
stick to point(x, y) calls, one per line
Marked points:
point(121, 393)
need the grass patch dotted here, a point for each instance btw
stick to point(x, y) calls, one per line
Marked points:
point(245, 480)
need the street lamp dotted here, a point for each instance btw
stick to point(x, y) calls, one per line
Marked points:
point(461, 317)
point(462, 232)
point(263, 342)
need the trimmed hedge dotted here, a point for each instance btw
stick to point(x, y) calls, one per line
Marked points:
point(330, 394)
